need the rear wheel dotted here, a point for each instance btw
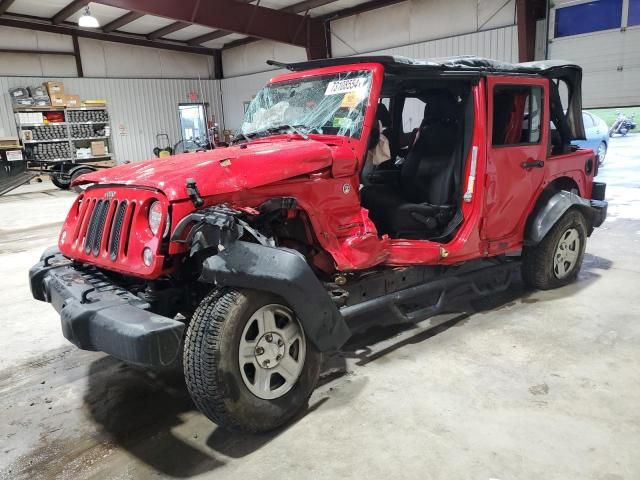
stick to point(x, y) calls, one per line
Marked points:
point(557, 259)
point(247, 363)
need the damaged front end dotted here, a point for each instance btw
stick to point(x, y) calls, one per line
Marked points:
point(232, 253)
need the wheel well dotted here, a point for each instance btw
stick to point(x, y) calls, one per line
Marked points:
point(562, 183)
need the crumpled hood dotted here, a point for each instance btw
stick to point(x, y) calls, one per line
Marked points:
point(222, 170)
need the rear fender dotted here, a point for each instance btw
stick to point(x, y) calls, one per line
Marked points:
point(545, 217)
point(284, 273)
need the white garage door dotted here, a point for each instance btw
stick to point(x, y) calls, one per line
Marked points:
point(603, 36)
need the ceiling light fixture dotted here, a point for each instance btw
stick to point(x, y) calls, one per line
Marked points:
point(87, 20)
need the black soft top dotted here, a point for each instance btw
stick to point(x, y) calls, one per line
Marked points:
point(464, 63)
point(567, 117)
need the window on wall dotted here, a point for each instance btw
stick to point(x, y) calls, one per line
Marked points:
point(588, 17)
point(517, 115)
point(634, 12)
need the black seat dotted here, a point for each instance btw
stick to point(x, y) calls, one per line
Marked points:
point(422, 204)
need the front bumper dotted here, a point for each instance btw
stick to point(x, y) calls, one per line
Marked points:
point(98, 315)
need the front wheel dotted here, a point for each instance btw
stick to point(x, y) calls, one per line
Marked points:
point(557, 259)
point(247, 363)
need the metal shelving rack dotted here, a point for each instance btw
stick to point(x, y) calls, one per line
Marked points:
point(69, 139)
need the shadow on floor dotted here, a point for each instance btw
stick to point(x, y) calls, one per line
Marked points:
point(139, 410)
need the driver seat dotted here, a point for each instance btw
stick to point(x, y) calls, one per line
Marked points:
point(421, 205)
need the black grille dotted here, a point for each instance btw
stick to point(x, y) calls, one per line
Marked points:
point(116, 230)
point(101, 214)
point(92, 230)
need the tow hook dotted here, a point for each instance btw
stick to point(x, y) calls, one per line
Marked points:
point(194, 194)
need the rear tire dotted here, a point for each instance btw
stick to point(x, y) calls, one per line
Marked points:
point(557, 259)
point(219, 380)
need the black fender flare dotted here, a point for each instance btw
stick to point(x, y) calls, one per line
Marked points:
point(284, 273)
point(551, 210)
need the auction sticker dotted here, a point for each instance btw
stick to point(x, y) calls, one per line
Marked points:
point(345, 86)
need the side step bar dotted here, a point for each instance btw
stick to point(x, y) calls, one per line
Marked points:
point(437, 294)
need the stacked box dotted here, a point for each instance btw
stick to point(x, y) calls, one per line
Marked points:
point(42, 100)
point(55, 88)
point(38, 91)
point(19, 92)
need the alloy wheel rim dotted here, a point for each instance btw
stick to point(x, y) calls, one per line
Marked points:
point(566, 254)
point(272, 352)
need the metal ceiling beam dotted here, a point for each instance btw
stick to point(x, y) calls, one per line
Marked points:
point(296, 8)
point(526, 21)
point(230, 15)
point(129, 38)
point(207, 37)
point(172, 27)
point(306, 5)
point(121, 21)
point(347, 12)
point(69, 10)
point(363, 7)
point(5, 4)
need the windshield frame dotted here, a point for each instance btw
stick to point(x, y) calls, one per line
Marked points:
point(377, 71)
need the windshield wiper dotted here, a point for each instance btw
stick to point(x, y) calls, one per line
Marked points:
point(242, 136)
point(295, 129)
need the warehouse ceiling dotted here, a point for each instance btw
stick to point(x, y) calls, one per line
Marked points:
point(189, 25)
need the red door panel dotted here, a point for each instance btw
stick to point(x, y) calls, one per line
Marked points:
point(516, 143)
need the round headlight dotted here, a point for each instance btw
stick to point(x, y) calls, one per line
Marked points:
point(147, 256)
point(155, 216)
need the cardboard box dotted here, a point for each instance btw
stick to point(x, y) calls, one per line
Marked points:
point(58, 100)
point(98, 148)
point(72, 100)
point(55, 88)
point(9, 141)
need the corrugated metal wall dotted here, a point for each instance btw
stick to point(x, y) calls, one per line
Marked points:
point(499, 44)
point(237, 90)
point(144, 107)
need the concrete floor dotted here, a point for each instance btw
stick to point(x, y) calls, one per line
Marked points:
point(544, 385)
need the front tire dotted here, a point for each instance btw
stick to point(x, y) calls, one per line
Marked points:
point(557, 259)
point(247, 363)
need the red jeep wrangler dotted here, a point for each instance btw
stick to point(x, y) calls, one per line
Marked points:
point(243, 264)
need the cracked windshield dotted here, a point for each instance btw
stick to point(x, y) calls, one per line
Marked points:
point(330, 104)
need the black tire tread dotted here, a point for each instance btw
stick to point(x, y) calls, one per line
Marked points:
point(208, 321)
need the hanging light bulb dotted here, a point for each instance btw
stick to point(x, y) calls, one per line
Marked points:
point(87, 20)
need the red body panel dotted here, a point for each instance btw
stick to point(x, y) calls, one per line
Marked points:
point(322, 173)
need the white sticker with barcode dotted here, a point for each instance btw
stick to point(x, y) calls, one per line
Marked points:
point(345, 86)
